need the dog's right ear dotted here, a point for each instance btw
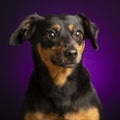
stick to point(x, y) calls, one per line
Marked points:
point(26, 29)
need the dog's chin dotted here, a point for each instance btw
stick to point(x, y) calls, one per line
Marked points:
point(69, 65)
point(65, 65)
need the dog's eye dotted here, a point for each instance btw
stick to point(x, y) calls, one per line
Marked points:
point(78, 34)
point(50, 35)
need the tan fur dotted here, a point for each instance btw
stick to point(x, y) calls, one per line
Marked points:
point(40, 116)
point(58, 74)
point(89, 114)
point(80, 50)
point(71, 27)
point(81, 47)
point(57, 27)
point(85, 114)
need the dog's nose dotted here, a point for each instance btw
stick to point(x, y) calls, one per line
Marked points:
point(71, 53)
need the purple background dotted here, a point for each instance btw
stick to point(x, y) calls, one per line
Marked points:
point(16, 62)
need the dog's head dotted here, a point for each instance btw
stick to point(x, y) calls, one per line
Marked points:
point(59, 39)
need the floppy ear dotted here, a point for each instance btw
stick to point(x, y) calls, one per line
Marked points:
point(26, 29)
point(91, 30)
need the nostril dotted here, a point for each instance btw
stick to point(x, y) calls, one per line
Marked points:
point(65, 46)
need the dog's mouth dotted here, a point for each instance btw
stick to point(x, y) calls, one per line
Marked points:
point(65, 64)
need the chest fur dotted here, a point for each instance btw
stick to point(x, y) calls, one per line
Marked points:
point(84, 114)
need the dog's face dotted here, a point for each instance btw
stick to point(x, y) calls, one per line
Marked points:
point(60, 40)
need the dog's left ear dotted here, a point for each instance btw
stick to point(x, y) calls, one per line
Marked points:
point(26, 29)
point(91, 30)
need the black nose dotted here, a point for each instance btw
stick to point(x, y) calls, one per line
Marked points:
point(71, 53)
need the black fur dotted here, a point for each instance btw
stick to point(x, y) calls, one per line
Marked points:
point(42, 94)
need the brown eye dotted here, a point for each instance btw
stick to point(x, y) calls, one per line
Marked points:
point(50, 35)
point(78, 34)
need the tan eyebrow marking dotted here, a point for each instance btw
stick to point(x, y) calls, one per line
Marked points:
point(57, 27)
point(71, 27)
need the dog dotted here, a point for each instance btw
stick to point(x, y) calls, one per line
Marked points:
point(60, 87)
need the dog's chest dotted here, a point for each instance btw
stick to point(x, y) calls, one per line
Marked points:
point(84, 114)
point(63, 97)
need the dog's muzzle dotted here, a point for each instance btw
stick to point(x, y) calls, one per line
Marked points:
point(69, 57)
